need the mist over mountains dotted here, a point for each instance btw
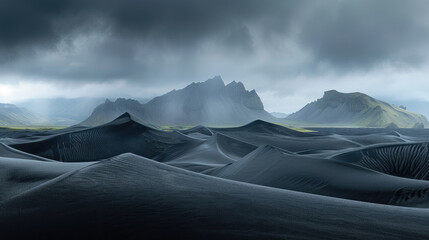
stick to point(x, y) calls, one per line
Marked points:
point(11, 115)
point(212, 103)
point(62, 111)
point(207, 103)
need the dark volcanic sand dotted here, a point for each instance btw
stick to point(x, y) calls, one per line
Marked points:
point(259, 181)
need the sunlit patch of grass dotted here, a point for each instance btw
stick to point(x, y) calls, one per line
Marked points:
point(185, 127)
point(176, 127)
point(299, 129)
point(34, 128)
point(302, 129)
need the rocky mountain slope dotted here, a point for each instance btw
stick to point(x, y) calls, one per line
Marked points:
point(355, 109)
point(209, 103)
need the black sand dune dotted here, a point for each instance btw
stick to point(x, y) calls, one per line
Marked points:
point(403, 132)
point(404, 160)
point(20, 175)
point(258, 181)
point(216, 151)
point(133, 197)
point(263, 127)
point(270, 167)
point(124, 134)
point(260, 133)
point(198, 132)
point(369, 139)
point(9, 152)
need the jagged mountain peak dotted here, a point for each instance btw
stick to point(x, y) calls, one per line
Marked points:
point(236, 85)
point(210, 102)
point(213, 83)
point(216, 81)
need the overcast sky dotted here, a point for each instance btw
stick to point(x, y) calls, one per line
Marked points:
point(289, 51)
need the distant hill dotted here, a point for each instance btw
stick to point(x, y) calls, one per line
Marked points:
point(355, 109)
point(279, 114)
point(11, 115)
point(209, 103)
point(62, 111)
point(110, 110)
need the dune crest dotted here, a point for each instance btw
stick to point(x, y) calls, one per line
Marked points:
point(130, 174)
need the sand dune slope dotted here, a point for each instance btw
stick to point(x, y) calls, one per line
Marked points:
point(261, 133)
point(216, 151)
point(132, 197)
point(409, 160)
point(20, 175)
point(126, 180)
point(9, 152)
point(270, 167)
point(198, 132)
point(124, 134)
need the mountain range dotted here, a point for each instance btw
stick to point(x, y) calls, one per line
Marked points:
point(207, 103)
point(213, 103)
point(11, 115)
point(356, 109)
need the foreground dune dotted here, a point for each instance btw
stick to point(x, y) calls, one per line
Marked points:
point(270, 167)
point(133, 197)
point(260, 181)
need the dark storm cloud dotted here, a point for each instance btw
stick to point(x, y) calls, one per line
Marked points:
point(363, 33)
point(38, 24)
point(43, 22)
point(156, 26)
point(131, 39)
point(239, 39)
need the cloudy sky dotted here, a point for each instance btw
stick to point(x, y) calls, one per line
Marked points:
point(289, 51)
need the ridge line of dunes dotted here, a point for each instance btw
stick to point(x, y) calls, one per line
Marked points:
point(269, 166)
point(409, 160)
point(164, 202)
point(124, 134)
